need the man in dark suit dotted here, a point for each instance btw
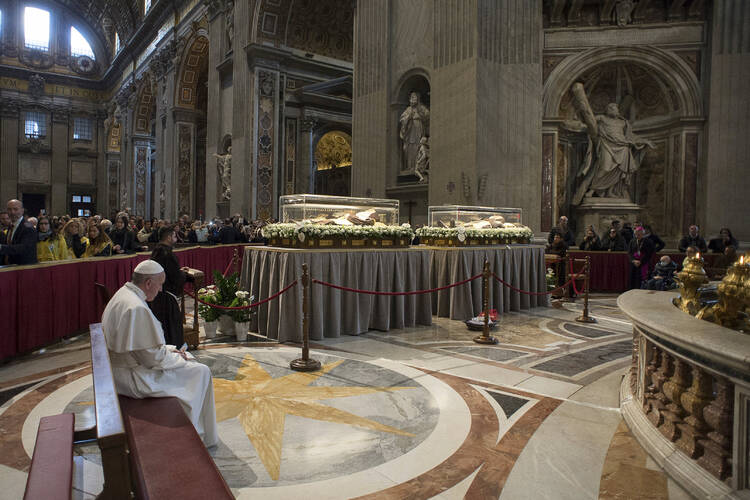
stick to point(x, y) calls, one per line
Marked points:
point(19, 244)
point(165, 305)
point(564, 231)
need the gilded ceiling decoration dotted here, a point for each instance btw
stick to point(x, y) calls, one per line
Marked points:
point(334, 150)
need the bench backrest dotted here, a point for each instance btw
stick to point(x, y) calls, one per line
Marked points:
point(110, 429)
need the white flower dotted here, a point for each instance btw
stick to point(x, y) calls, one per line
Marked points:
point(201, 291)
point(241, 294)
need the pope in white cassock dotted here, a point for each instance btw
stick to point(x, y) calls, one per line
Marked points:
point(142, 365)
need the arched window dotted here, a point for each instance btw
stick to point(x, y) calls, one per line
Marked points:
point(78, 44)
point(36, 28)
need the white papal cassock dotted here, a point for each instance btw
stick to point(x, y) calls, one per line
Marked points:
point(144, 367)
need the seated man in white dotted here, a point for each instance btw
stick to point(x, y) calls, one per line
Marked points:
point(142, 365)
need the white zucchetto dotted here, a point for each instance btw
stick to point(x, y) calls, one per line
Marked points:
point(148, 267)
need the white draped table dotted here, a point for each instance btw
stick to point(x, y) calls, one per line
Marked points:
point(267, 270)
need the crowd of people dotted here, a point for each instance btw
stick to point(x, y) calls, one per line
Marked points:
point(28, 240)
point(642, 243)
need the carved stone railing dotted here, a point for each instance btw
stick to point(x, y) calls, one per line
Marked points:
point(687, 397)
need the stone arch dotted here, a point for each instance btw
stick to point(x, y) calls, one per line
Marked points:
point(680, 78)
point(193, 63)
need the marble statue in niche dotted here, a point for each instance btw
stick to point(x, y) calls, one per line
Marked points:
point(614, 152)
point(423, 160)
point(224, 167)
point(623, 12)
point(414, 126)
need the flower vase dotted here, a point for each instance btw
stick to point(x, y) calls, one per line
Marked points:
point(210, 328)
point(240, 329)
point(226, 325)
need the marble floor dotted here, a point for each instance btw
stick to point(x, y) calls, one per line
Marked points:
point(415, 413)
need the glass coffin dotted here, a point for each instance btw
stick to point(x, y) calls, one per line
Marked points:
point(318, 221)
point(473, 217)
point(338, 210)
point(457, 225)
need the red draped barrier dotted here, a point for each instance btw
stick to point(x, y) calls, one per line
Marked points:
point(610, 271)
point(45, 302)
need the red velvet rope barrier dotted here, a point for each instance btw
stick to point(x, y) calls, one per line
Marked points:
point(414, 292)
point(256, 304)
point(498, 278)
point(229, 266)
point(572, 273)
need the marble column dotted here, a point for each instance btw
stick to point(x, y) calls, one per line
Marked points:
point(370, 106)
point(722, 202)
point(305, 180)
point(213, 117)
point(9, 116)
point(167, 181)
point(482, 60)
point(243, 103)
point(57, 204)
point(100, 165)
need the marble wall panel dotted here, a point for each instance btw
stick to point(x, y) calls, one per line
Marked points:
point(184, 167)
point(140, 181)
point(82, 172)
point(34, 169)
point(113, 172)
point(549, 141)
point(290, 150)
point(690, 179)
point(266, 144)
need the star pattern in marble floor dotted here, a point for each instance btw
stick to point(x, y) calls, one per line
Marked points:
point(261, 404)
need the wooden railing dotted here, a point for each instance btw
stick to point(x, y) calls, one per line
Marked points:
point(687, 397)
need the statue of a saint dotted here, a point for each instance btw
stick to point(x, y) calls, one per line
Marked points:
point(415, 125)
point(613, 155)
point(423, 160)
point(224, 166)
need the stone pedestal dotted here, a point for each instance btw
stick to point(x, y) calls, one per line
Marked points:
point(600, 212)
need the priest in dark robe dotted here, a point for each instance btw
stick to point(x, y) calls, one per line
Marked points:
point(166, 305)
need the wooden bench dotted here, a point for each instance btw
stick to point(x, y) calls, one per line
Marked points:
point(51, 473)
point(149, 446)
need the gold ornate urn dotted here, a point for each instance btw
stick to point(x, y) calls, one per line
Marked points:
point(690, 280)
point(734, 297)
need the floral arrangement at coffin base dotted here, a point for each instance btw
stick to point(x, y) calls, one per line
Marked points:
point(503, 234)
point(331, 231)
point(225, 292)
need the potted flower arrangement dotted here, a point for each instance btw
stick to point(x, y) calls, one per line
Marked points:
point(210, 315)
point(225, 292)
point(241, 317)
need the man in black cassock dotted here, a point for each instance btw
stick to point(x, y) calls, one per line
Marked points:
point(166, 306)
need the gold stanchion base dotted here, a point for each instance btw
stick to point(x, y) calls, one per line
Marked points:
point(585, 319)
point(481, 339)
point(305, 365)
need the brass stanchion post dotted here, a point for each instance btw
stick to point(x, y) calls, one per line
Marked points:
point(585, 318)
point(486, 338)
point(236, 260)
point(305, 364)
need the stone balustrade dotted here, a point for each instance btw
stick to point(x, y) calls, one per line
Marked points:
point(687, 397)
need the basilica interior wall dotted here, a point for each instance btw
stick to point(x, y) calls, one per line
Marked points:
point(497, 91)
